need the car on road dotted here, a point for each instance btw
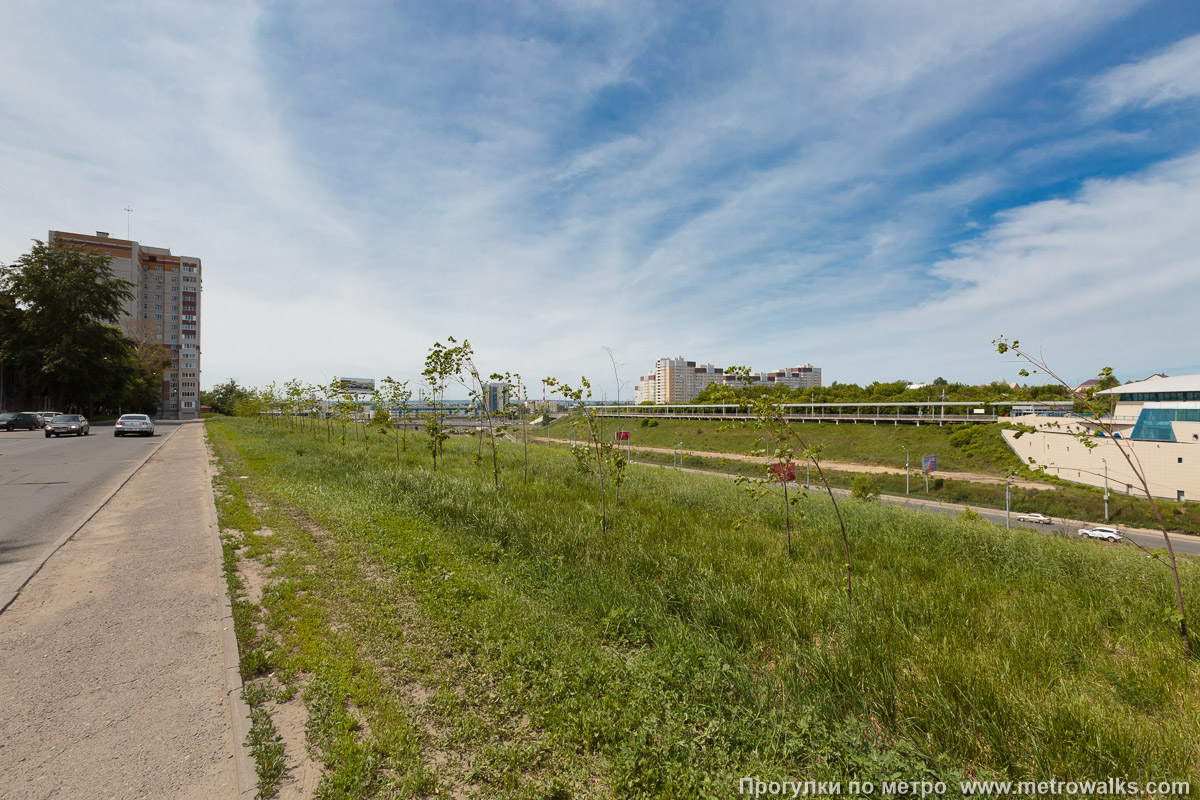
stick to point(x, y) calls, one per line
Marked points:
point(47, 416)
point(140, 424)
point(26, 420)
point(68, 424)
point(1040, 519)
point(1101, 532)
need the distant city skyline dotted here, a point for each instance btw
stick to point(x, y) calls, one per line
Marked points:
point(882, 187)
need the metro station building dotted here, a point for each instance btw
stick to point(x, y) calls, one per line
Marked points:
point(1156, 421)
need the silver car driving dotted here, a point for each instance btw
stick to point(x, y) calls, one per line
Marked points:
point(140, 424)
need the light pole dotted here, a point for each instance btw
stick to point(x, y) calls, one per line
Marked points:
point(1007, 496)
point(906, 472)
point(1105, 461)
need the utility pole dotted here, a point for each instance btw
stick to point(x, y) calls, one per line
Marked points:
point(128, 222)
point(906, 470)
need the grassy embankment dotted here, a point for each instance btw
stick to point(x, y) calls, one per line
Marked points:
point(975, 448)
point(443, 635)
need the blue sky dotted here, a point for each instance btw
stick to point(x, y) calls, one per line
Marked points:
point(877, 188)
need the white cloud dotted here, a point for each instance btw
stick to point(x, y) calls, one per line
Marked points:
point(1109, 276)
point(361, 185)
point(1170, 76)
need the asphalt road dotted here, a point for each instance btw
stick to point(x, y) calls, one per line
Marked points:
point(48, 487)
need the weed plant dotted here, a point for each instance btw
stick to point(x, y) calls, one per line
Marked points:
point(679, 650)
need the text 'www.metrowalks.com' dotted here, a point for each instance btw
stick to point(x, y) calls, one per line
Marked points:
point(1108, 787)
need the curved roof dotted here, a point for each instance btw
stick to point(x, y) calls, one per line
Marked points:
point(1176, 383)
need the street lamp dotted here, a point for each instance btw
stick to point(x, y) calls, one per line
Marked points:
point(906, 472)
point(1007, 498)
point(1105, 461)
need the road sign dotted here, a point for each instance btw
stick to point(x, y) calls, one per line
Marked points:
point(784, 473)
point(928, 463)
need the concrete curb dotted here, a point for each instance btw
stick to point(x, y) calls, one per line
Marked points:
point(239, 711)
point(7, 598)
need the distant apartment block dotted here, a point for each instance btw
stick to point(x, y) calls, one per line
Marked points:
point(165, 307)
point(495, 396)
point(677, 380)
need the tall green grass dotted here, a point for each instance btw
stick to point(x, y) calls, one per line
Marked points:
point(680, 649)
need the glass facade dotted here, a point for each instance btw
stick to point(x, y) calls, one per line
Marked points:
point(1155, 423)
point(1159, 397)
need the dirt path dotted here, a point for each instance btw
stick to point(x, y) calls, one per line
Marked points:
point(843, 466)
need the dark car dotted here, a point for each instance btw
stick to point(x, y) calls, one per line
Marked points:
point(27, 420)
point(68, 423)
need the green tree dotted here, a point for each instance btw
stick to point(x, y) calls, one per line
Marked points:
point(223, 397)
point(392, 395)
point(60, 332)
point(441, 364)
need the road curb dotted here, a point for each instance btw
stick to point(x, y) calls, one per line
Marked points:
point(9, 596)
point(239, 710)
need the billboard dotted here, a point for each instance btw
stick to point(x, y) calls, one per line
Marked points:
point(622, 436)
point(784, 473)
point(355, 385)
point(928, 463)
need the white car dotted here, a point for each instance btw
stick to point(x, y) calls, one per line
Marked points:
point(1101, 532)
point(1040, 519)
point(134, 423)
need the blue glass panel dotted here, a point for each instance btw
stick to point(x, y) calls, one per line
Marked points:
point(1154, 424)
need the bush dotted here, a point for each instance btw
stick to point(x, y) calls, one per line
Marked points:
point(863, 488)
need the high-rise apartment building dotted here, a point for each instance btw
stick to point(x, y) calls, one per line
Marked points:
point(677, 380)
point(165, 308)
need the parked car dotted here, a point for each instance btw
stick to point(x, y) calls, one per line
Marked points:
point(26, 420)
point(47, 417)
point(1102, 532)
point(68, 423)
point(134, 423)
point(1040, 519)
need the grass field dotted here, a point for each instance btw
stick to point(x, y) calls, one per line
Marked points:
point(446, 636)
point(977, 448)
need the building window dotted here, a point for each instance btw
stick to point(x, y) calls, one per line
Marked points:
point(1179, 495)
point(1181, 459)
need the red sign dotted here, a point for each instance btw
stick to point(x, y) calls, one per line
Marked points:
point(784, 473)
point(622, 436)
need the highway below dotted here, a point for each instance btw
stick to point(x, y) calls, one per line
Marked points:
point(50, 487)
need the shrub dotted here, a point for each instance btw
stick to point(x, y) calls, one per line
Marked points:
point(863, 488)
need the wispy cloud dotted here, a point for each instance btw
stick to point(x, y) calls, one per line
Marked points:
point(1169, 76)
point(765, 184)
